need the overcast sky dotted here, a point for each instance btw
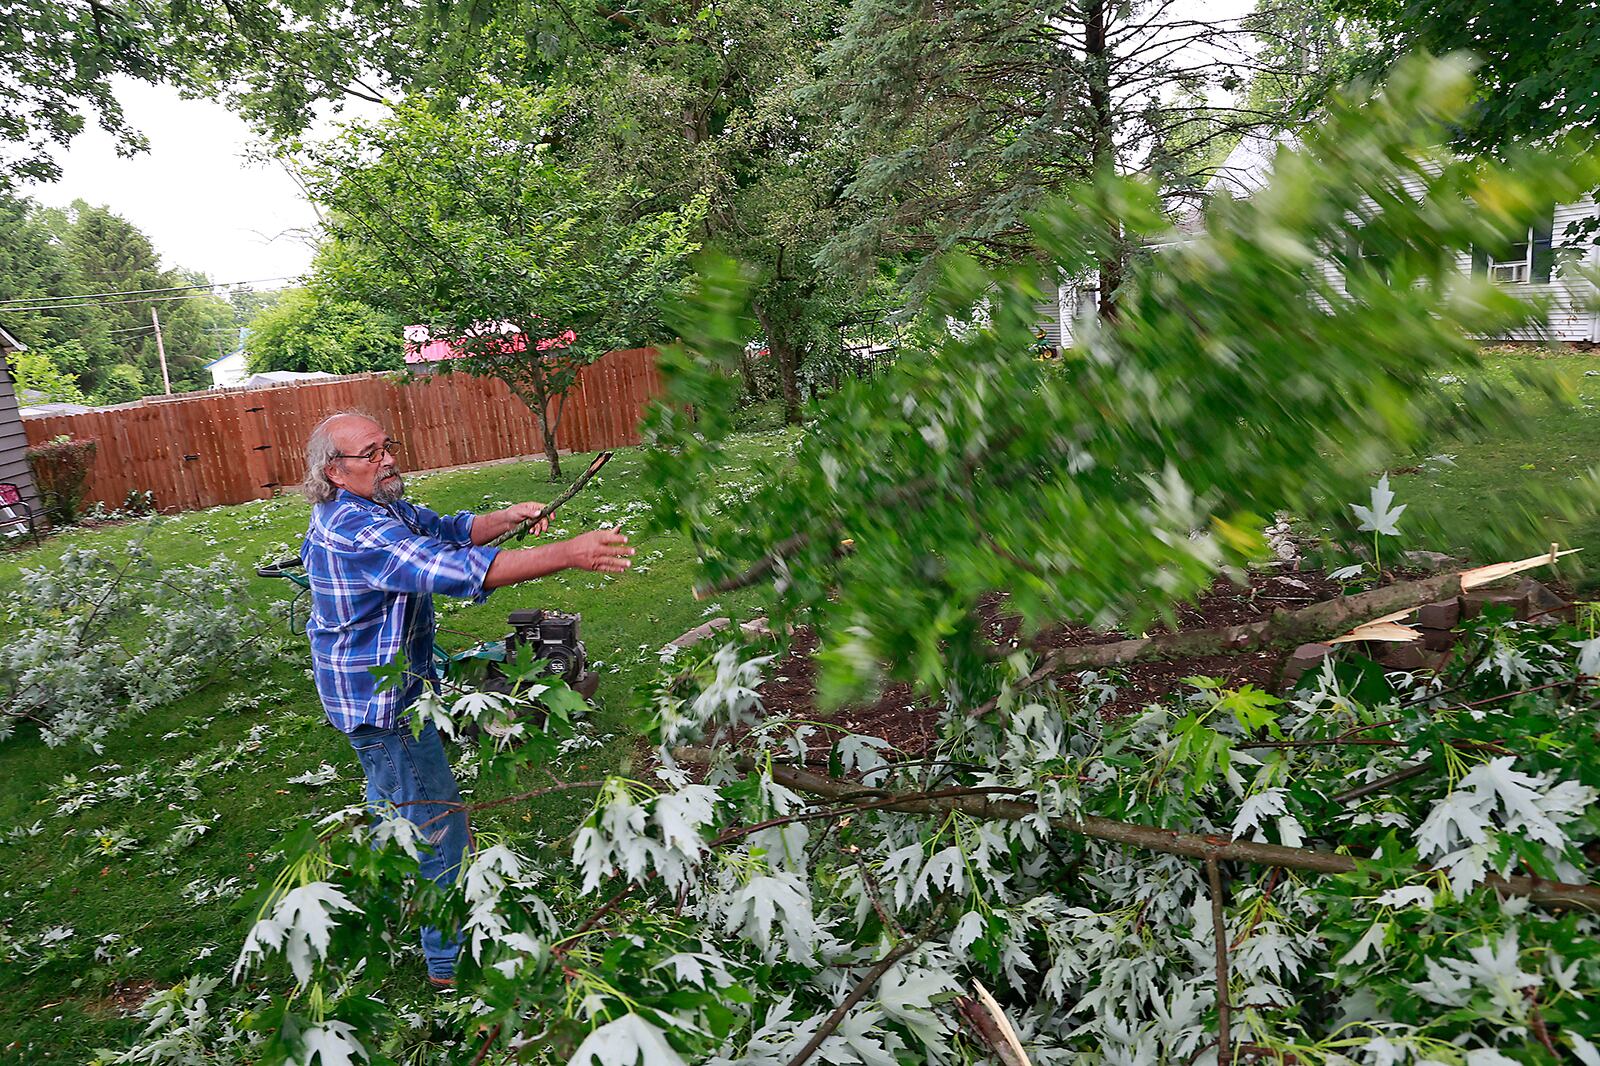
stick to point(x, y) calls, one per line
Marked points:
point(202, 202)
point(207, 207)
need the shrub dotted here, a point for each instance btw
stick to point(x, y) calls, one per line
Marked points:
point(61, 470)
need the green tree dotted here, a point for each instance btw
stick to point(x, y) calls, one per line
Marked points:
point(1308, 51)
point(122, 383)
point(35, 270)
point(37, 371)
point(965, 118)
point(110, 254)
point(1540, 62)
point(465, 222)
point(719, 101)
point(306, 332)
point(248, 303)
point(275, 60)
point(60, 58)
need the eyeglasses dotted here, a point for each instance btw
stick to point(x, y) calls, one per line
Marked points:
point(375, 453)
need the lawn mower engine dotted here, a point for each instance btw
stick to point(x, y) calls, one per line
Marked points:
point(553, 637)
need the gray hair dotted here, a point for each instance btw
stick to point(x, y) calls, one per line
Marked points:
point(320, 451)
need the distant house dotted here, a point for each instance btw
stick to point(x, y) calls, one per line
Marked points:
point(1545, 263)
point(14, 468)
point(230, 370)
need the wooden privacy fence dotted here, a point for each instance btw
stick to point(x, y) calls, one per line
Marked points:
point(229, 446)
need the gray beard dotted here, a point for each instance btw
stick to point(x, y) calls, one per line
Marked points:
point(389, 490)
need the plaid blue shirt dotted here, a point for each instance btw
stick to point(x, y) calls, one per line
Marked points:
point(374, 570)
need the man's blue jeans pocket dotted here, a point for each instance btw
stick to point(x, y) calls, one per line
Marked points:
point(410, 777)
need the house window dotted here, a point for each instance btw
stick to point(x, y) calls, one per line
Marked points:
point(1516, 264)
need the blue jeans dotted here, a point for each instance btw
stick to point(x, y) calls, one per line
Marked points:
point(413, 774)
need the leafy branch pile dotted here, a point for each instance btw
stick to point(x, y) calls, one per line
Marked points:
point(1378, 870)
point(95, 639)
point(1398, 861)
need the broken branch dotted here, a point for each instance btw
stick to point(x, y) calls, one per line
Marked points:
point(1552, 894)
point(1283, 629)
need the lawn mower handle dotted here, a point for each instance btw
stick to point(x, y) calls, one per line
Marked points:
point(277, 569)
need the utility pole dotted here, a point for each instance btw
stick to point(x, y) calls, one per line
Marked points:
point(161, 352)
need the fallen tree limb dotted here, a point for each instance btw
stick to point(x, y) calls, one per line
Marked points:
point(1552, 894)
point(1219, 931)
point(1283, 629)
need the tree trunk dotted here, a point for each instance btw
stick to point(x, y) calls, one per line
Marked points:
point(1097, 67)
point(747, 371)
point(541, 401)
point(788, 362)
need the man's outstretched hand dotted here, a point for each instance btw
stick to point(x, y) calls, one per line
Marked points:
point(604, 550)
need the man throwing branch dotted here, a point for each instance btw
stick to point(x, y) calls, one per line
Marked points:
point(375, 562)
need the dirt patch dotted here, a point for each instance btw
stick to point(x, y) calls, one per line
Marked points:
point(123, 999)
point(910, 724)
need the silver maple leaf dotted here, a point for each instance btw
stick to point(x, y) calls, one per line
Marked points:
point(1380, 517)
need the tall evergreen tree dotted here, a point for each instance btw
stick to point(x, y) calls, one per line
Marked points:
point(111, 255)
point(968, 115)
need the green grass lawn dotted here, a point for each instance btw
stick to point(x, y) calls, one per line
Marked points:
point(244, 737)
point(1502, 481)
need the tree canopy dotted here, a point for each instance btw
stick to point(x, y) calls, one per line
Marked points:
point(307, 332)
point(1540, 63)
point(465, 222)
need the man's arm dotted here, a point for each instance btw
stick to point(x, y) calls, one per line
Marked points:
point(486, 527)
point(602, 550)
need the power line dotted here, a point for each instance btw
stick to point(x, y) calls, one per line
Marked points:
point(140, 292)
point(143, 301)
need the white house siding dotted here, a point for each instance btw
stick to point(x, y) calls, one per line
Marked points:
point(228, 371)
point(1048, 315)
point(1573, 316)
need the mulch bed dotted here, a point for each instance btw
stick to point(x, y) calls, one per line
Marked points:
point(910, 724)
